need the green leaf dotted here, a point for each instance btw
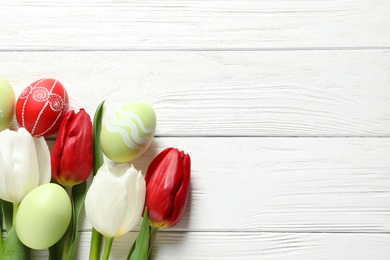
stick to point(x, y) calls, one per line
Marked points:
point(97, 238)
point(131, 250)
point(13, 248)
point(142, 243)
point(7, 208)
point(55, 251)
point(78, 193)
point(97, 150)
point(1, 224)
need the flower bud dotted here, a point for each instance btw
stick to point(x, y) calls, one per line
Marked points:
point(71, 156)
point(167, 187)
point(24, 164)
point(115, 199)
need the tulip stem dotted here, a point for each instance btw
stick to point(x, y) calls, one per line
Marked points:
point(67, 238)
point(152, 236)
point(15, 210)
point(107, 248)
point(96, 242)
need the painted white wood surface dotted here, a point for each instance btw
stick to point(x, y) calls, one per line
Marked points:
point(204, 24)
point(244, 93)
point(283, 184)
point(252, 245)
point(284, 106)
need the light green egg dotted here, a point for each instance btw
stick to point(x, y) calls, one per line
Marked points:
point(7, 104)
point(43, 216)
point(128, 132)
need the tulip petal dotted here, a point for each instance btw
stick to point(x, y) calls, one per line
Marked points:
point(115, 199)
point(136, 190)
point(162, 185)
point(25, 164)
point(56, 151)
point(71, 156)
point(105, 202)
point(43, 155)
point(19, 162)
point(155, 163)
point(76, 159)
point(6, 138)
point(2, 178)
point(21, 174)
point(182, 194)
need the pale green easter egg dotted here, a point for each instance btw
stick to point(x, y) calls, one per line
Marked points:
point(7, 104)
point(128, 132)
point(43, 216)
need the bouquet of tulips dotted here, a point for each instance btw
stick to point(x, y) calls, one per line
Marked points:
point(43, 191)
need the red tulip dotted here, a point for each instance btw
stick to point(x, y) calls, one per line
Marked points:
point(71, 156)
point(167, 187)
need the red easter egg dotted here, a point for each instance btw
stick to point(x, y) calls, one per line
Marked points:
point(41, 107)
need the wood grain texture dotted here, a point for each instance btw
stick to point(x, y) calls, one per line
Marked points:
point(284, 184)
point(283, 105)
point(255, 93)
point(250, 245)
point(86, 25)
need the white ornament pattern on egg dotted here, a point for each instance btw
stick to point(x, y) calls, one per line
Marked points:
point(42, 94)
point(25, 93)
point(129, 120)
point(56, 102)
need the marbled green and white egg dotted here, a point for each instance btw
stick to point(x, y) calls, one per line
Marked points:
point(128, 132)
point(7, 104)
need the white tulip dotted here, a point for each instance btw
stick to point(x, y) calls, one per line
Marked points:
point(24, 164)
point(115, 200)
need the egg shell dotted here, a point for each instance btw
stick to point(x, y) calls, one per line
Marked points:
point(7, 104)
point(128, 132)
point(41, 107)
point(43, 216)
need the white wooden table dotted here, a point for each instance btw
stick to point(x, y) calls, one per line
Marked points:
point(283, 105)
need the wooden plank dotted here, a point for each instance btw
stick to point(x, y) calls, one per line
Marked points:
point(284, 184)
point(259, 93)
point(250, 245)
point(75, 25)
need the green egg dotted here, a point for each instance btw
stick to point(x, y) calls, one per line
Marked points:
point(128, 132)
point(7, 104)
point(43, 216)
